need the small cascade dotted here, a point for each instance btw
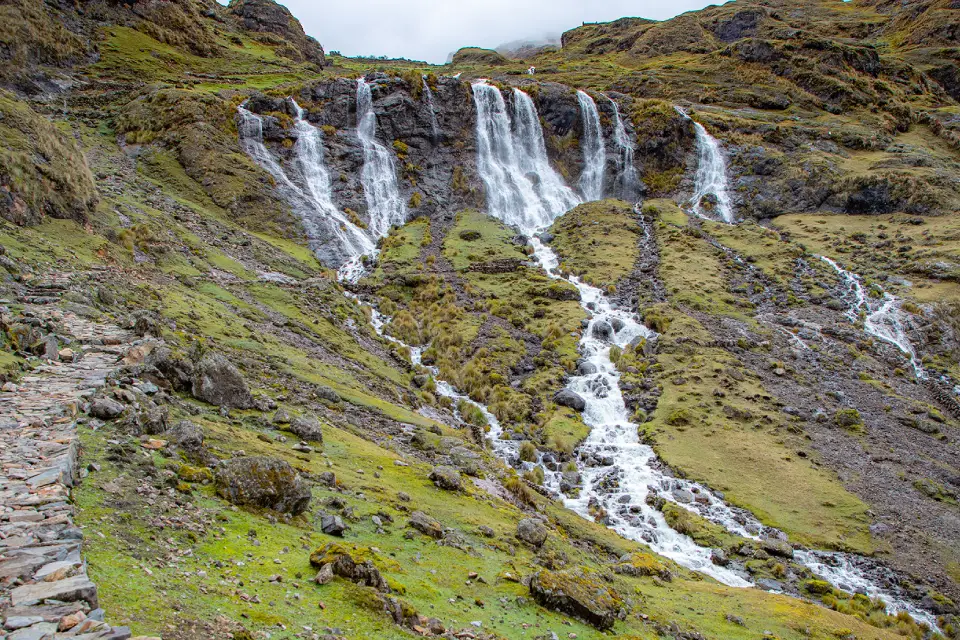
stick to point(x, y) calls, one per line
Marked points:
point(385, 207)
point(434, 125)
point(882, 319)
point(521, 186)
point(628, 182)
point(711, 180)
point(594, 149)
point(326, 227)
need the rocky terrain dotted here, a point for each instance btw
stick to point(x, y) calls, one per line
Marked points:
point(468, 352)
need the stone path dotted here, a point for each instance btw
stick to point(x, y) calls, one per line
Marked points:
point(44, 589)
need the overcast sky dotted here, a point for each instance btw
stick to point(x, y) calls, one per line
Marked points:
point(432, 29)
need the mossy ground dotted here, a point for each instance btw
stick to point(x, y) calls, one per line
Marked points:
point(598, 241)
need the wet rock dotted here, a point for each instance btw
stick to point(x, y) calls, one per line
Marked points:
point(571, 399)
point(602, 330)
point(425, 525)
point(307, 428)
point(446, 478)
point(586, 369)
point(532, 532)
point(682, 495)
point(617, 324)
point(263, 482)
point(579, 594)
point(106, 408)
point(219, 383)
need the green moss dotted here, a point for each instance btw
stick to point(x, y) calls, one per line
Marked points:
point(598, 241)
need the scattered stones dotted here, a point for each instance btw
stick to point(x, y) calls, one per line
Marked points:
point(263, 482)
point(354, 565)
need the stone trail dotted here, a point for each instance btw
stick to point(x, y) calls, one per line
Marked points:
point(45, 592)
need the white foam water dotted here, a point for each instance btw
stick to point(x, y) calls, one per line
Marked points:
point(882, 317)
point(628, 182)
point(593, 147)
point(312, 203)
point(711, 177)
point(385, 207)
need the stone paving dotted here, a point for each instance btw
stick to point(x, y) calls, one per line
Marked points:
point(44, 589)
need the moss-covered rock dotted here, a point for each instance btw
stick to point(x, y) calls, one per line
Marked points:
point(263, 482)
point(578, 593)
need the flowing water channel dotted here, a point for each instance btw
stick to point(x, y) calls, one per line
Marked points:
point(617, 472)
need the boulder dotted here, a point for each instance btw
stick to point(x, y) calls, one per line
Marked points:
point(446, 478)
point(165, 365)
point(352, 564)
point(425, 525)
point(586, 369)
point(263, 482)
point(466, 460)
point(577, 593)
point(567, 398)
point(186, 435)
point(307, 428)
point(219, 383)
point(281, 417)
point(532, 532)
point(602, 330)
point(332, 525)
point(106, 408)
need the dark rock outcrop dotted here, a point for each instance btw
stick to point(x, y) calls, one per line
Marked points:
point(268, 17)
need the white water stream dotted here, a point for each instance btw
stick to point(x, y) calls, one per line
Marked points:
point(711, 178)
point(593, 147)
point(628, 182)
point(617, 471)
point(385, 207)
point(882, 318)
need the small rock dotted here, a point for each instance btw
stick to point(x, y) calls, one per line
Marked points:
point(325, 575)
point(532, 531)
point(106, 408)
point(332, 525)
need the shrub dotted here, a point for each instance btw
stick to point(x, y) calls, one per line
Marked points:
point(528, 452)
point(848, 419)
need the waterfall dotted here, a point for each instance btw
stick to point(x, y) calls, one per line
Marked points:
point(521, 186)
point(711, 179)
point(883, 317)
point(385, 208)
point(594, 150)
point(353, 241)
point(328, 230)
point(434, 125)
point(628, 182)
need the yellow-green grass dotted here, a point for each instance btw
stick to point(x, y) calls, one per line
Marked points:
point(148, 579)
point(598, 241)
point(740, 445)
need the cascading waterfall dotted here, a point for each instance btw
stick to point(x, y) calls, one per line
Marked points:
point(628, 182)
point(323, 223)
point(378, 177)
point(594, 149)
point(434, 125)
point(508, 158)
point(882, 317)
point(353, 241)
point(711, 178)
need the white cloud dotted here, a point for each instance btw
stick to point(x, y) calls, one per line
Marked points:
point(431, 29)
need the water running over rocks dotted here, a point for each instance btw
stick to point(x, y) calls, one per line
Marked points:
point(711, 197)
point(385, 207)
point(628, 182)
point(594, 150)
